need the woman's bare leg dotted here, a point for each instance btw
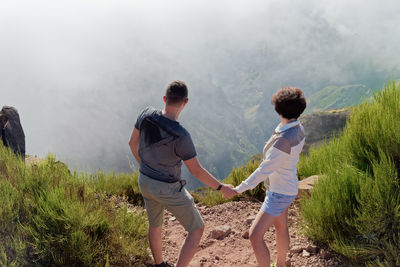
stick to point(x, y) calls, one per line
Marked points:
point(260, 225)
point(282, 238)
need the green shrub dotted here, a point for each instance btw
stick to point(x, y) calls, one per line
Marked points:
point(331, 204)
point(322, 157)
point(375, 127)
point(210, 197)
point(120, 184)
point(355, 206)
point(241, 173)
point(49, 216)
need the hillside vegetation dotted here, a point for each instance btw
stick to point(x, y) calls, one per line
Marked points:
point(355, 207)
point(335, 97)
point(51, 217)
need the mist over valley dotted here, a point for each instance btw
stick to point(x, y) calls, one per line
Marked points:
point(79, 73)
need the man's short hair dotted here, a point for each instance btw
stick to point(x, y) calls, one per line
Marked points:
point(176, 93)
point(289, 102)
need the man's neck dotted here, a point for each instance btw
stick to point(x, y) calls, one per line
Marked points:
point(286, 121)
point(171, 113)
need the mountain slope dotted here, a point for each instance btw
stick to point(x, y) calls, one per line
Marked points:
point(334, 97)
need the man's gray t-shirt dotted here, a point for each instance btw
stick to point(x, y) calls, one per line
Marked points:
point(164, 143)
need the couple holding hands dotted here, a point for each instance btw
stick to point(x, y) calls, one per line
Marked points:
point(160, 145)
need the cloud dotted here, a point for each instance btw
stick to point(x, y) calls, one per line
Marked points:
point(81, 68)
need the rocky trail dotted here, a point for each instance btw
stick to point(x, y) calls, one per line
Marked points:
point(225, 241)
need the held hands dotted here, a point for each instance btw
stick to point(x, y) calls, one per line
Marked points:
point(228, 191)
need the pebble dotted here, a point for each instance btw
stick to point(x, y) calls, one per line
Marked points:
point(296, 249)
point(220, 232)
point(306, 253)
point(312, 249)
point(325, 254)
point(245, 234)
point(250, 220)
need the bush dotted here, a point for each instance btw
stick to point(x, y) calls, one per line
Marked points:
point(355, 206)
point(241, 173)
point(120, 184)
point(210, 197)
point(49, 216)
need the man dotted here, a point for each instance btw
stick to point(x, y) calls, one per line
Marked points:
point(160, 144)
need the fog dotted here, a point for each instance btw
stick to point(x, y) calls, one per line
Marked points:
point(79, 72)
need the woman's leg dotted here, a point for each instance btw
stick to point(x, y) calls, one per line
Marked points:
point(282, 238)
point(260, 225)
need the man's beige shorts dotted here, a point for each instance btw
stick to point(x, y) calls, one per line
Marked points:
point(159, 195)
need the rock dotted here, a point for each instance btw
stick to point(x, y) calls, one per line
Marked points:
point(250, 220)
point(320, 126)
point(11, 132)
point(306, 253)
point(325, 254)
point(296, 249)
point(33, 160)
point(308, 183)
point(246, 234)
point(312, 249)
point(220, 232)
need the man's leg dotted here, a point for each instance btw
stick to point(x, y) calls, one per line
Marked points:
point(261, 224)
point(155, 241)
point(155, 214)
point(189, 247)
point(181, 205)
point(282, 238)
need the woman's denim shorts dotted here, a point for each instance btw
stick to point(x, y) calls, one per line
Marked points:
point(275, 203)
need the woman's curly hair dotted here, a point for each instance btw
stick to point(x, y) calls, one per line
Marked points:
point(289, 102)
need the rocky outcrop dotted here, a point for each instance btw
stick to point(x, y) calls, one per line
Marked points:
point(33, 160)
point(306, 185)
point(12, 133)
point(321, 126)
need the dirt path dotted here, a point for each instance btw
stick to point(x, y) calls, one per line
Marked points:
point(231, 247)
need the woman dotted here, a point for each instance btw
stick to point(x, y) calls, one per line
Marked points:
point(279, 173)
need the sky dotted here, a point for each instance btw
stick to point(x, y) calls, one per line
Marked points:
point(76, 70)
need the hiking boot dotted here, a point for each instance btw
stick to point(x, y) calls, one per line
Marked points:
point(165, 264)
